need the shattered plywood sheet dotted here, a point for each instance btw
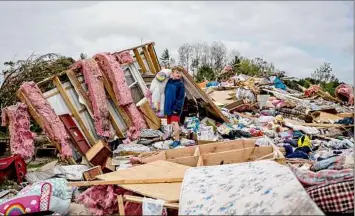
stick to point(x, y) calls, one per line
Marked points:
point(155, 170)
point(222, 97)
point(170, 192)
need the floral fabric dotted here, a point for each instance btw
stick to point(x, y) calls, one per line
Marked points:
point(254, 188)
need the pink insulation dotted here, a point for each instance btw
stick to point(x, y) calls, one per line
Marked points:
point(94, 81)
point(113, 71)
point(312, 90)
point(53, 127)
point(124, 57)
point(346, 91)
point(102, 200)
point(136, 116)
point(21, 138)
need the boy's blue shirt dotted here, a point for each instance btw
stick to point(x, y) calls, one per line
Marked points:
point(174, 97)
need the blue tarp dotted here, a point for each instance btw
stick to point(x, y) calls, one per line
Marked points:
point(279, 84)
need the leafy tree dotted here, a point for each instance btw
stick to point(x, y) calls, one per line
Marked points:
point(165, 58)
point(35, 68)
point(205, 73)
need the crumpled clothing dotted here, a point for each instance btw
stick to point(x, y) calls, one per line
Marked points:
point(310, 178)
point(163, 145)
point(334, 163)
point(337, 197)
point(247, 94)
point(21, 138)
point(150, 133)
point(306, 130)
point(131, 148)
point(192, 123)
point(346, 91)
point(152, 206)
point(263, 142)
point(187, 142)
point(340, 144)
point(345, 121)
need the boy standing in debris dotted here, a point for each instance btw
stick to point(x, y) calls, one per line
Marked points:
point(174, 101)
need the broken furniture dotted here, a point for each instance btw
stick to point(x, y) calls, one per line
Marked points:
point(236, 151)
point(99, 155)
point(12, 167)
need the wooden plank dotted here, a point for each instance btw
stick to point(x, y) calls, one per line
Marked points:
point(325, 125)
point(182, 152)
point(149, 60)
point(111, 93)
point(136, 47)
point(128, 181)
point(155, 170)
point(187, 161)
point(154, 58)
point(170, 192)
point(236, 156)
point(226, 146)
point(137, 199)
point(149, 115)
point(80, 90)
point(73, 110)
point(140, 60)
point(120, 205)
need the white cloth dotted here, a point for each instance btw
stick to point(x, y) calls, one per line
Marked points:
point(158, 90)
point(152, 206)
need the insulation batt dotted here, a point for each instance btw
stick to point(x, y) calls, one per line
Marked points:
point(21, 138)
point(53, 127)
point(114, 72)
point(124, 57)
point(102, 200)
point(93, 79)
point(347, 91)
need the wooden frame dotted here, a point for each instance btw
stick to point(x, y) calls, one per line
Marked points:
point(235, 151)
point(197, 90)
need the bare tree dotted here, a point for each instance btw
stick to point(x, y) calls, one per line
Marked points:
point(196, 57)
point(185, 55)
point(205, 54)
point(218, 55)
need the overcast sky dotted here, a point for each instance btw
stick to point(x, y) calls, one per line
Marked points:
point(296, 36)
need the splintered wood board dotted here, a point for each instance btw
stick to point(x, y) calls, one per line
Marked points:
point(155, 170)
point(170, 192)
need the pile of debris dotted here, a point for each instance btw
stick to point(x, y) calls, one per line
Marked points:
point(247, 143)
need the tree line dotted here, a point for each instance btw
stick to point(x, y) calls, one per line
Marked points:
point(206, 61)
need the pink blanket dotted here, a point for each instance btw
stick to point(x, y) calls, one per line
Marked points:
point(21, 138)
point(97, 95)
point(53, 127)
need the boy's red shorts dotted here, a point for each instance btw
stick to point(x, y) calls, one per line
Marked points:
point(173, 118)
